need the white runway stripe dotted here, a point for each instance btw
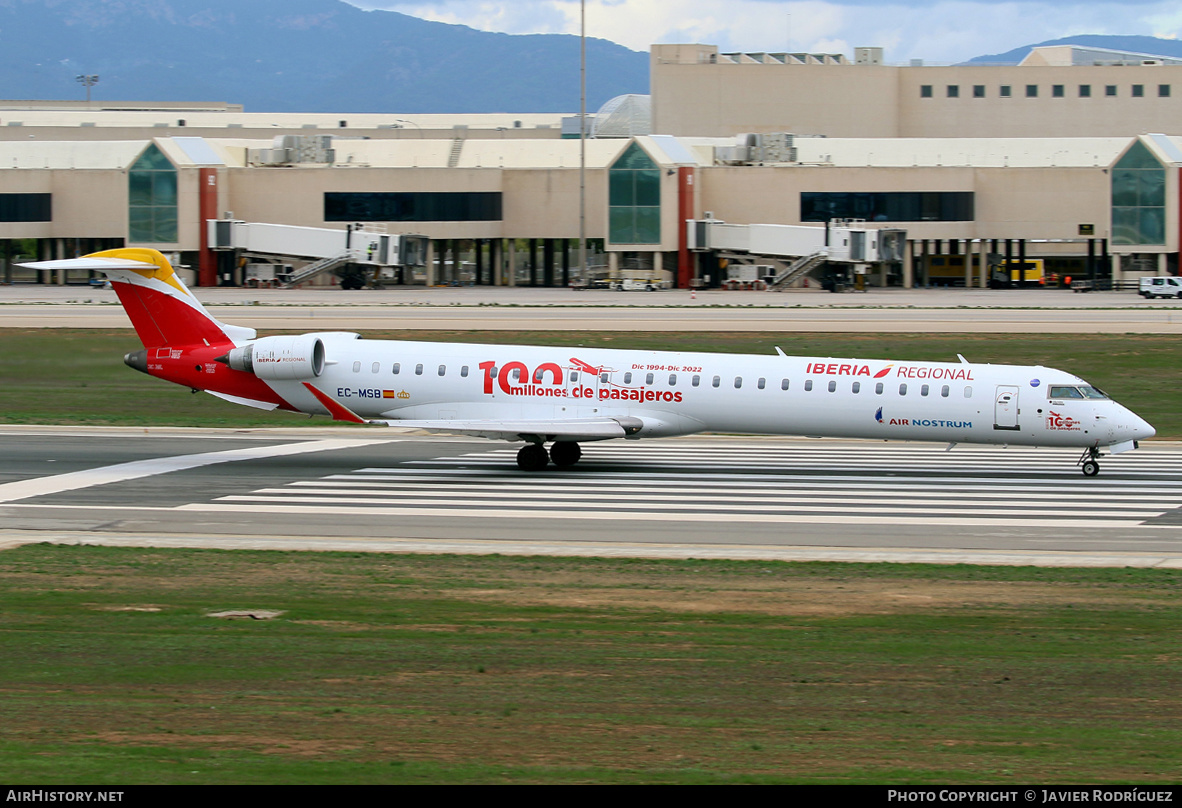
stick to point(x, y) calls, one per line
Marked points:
point(55, 484)
point(628, 482)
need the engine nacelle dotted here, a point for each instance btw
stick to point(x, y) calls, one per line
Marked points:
point(280, 358)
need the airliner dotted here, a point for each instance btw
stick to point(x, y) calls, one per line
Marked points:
point(567, 396)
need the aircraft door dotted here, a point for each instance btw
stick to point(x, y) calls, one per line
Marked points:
point(582, 383)
point(1005, 407)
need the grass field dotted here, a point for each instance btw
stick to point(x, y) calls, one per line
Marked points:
point(77, 376)
point(438, 669)
point(402, 669)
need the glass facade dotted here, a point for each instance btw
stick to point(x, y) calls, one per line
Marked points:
point(151, 199)
point(634, 199)
point(888, 206)
point(1138, 198)
point(413, 206)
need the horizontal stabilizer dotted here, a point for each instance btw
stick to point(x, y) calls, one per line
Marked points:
point(88, 263)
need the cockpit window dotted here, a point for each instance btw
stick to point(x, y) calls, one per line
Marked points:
point(1065, 392)
point(1092, 392)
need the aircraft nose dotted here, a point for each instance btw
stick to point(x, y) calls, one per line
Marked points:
point(1142, 429)
point(1134, 427)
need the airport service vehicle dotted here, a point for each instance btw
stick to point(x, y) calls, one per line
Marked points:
point(567, 396)
point(1015, 272)
point(1161, 286)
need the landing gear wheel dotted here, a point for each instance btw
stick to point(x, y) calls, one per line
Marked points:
point(532, 457)
point(565, 453)
point(1091, 468)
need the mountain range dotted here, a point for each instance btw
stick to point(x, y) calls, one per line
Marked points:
point(1134, 44)
point(327, 56)
point(297, 56)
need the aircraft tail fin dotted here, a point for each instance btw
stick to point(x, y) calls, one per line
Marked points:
point(160, 306)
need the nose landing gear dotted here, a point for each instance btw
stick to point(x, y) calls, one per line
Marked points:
point(1088, 461)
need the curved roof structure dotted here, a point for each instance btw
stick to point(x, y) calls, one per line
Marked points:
point(624, 116)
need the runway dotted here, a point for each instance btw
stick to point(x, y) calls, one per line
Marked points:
point(717, 497)
point(504, 308)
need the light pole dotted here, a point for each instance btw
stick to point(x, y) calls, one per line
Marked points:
point(583, 140)
point(412, 123)
point(88, 81)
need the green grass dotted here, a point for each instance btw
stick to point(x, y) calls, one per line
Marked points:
point(404, 669)
point(77, 376)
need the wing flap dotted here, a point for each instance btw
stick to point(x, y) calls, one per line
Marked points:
point(547, 429)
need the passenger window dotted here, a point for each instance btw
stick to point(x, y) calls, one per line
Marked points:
point(832, 387)
point(574, 375)
point(856, 387)
point(397, 368)
point(923, 391)
point(783, 384)
point(738, 382)
point(603, 377)
point(672, 379)
point(628, 377)
point(357, 366)
point(375, 367)
point(648, 379)
point(515, 376)
point(717, 380)
point(494, 372)
point(762, 383)
point(878, 389)
point(418, 370)
point(968, 392)
point(808, 385)
point(464, 372)
point(695, 380)
point(944, 391)
point(902, 389)
point(442, 370)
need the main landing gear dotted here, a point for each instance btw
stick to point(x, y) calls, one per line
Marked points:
point(1089, 461)
point(534, 457)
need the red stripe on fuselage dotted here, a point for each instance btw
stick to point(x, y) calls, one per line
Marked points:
point(196, 366)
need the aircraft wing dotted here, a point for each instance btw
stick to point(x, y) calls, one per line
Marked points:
point(575, 428)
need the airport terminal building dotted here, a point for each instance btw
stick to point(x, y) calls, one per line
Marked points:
point(972, 165)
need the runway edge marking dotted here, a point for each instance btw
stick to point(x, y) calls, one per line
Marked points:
point(74, 480)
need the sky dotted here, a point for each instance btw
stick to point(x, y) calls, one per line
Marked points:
point(937, 31)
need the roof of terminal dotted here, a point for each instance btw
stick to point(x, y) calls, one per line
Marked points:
point(475, 153)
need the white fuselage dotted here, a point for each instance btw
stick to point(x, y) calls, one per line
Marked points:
point(676, 393)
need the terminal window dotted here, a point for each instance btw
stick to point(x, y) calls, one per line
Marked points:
point(1138, 198)
point(978, 91)
point(888, 206)
point(1085, 91)
point(954, 91)
point(1163, 91)
point(1032, 91)
point(1005, 91)
point(634, 198)
point(1138, 90)
point(152, 199)
point(413, 206)
point(1110, 90)
point(925, 91)
point(26, 207)
point(1057, 90)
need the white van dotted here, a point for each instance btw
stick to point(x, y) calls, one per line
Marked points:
point(1161, 286)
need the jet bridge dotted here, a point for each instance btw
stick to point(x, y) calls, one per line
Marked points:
point(796, 251)
point(377, 255)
